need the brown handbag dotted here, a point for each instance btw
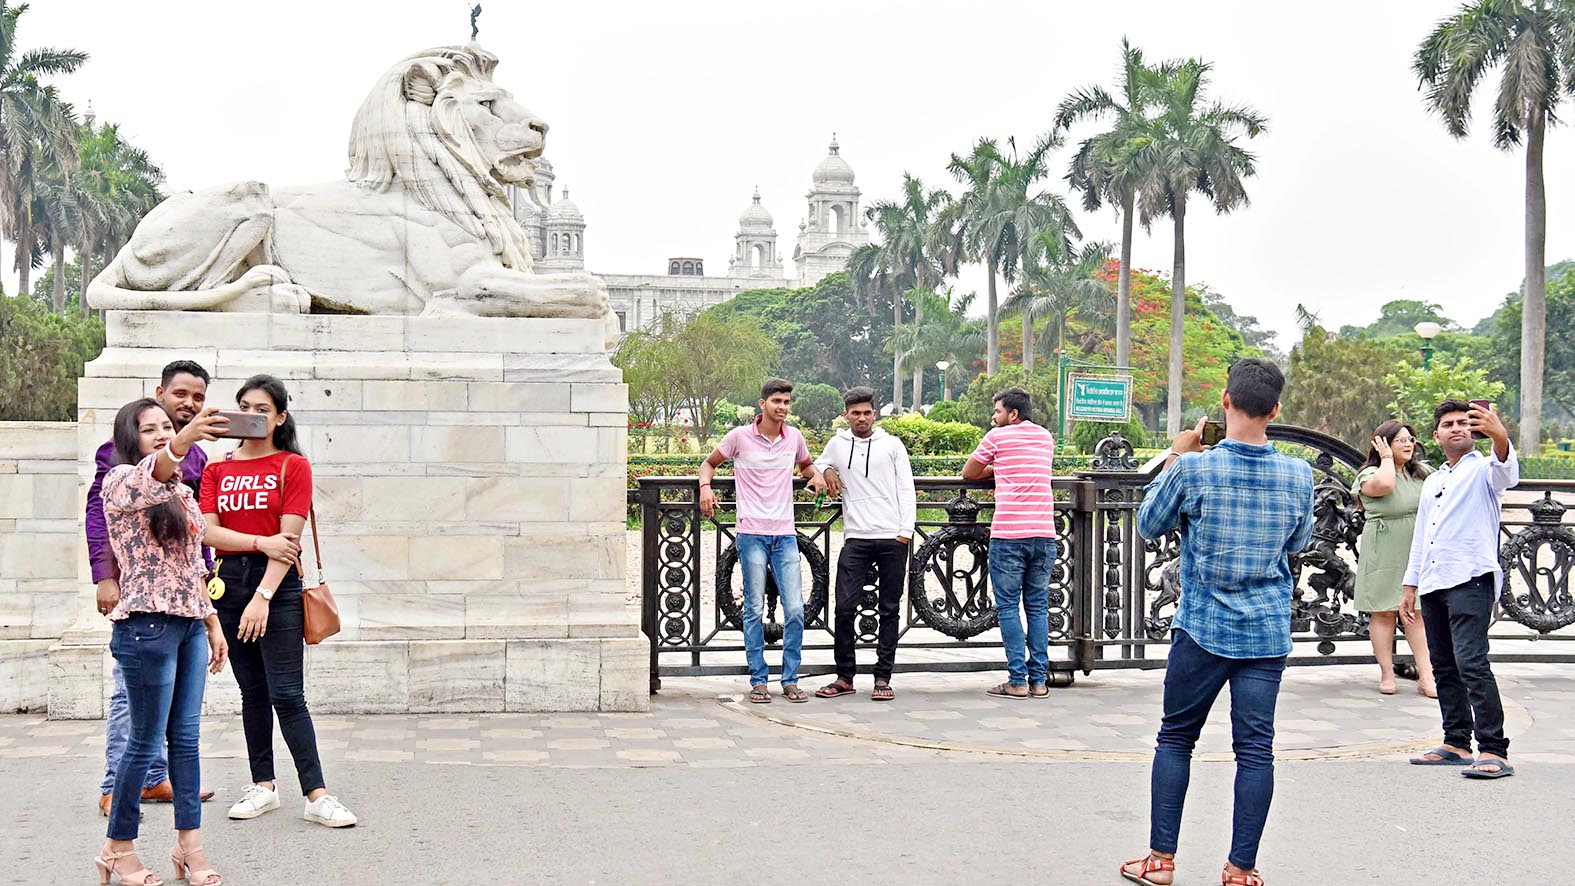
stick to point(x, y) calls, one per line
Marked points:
point(322, 613)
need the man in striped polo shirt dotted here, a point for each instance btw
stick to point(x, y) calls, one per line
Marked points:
point(1020, 456)
point(765, 455)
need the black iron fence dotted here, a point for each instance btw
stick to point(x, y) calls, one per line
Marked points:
point(1112, 593)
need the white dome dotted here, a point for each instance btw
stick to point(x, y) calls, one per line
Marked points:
point(564, 211)
point(756, 215)
point(834, 169)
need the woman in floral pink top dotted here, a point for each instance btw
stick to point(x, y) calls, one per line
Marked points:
point(166, 632)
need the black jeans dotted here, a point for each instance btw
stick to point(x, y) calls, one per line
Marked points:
point(1457, 621)
point(270, 670)
point(889, 558)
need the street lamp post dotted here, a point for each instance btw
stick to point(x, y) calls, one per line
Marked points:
point(1427, 329)
point(946, 382)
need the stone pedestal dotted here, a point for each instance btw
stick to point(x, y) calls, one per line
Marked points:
point(469, 484)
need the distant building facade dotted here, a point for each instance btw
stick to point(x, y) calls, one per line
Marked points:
point(832, 229)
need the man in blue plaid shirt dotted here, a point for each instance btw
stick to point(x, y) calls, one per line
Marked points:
point(1243, 509)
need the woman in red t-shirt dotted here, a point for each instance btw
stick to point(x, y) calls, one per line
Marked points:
point(255, 502)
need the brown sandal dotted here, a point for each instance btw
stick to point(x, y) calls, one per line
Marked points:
point(1229, 879)
point(883, 692)
point(759, 694)
point(1151, 864)
point(838, 687)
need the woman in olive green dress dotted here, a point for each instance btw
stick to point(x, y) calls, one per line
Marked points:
point(1390, 488)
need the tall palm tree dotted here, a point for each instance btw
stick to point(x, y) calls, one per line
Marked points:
point(871, 275)
point(1060, 283)
point(1108, 167)
point(904, 260)
point(976, 234)
point(1534, 43)
point(36, 131)
point(1191, 146)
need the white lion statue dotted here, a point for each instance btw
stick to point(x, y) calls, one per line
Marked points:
point(422, 224)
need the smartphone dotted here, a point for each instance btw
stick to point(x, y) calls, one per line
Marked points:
point(1485, 406)
point(245, 425)
point(1213, 432)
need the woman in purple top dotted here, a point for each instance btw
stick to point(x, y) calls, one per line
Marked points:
point(165, 632)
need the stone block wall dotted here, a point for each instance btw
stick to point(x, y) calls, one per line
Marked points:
point(469, 484)
point(40, 513)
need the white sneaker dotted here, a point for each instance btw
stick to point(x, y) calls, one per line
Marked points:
point(255, 800)
point(329, 812)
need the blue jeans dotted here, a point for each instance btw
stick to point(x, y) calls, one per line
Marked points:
point(1020, 578)
point(780, 552)
point(164, 659)
point(116, 731)
point(1193, 679)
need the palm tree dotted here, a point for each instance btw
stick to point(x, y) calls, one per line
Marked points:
point(1060, 283)
point(949, 334)
point(1191, 146)
point(1108, 166)
point(114, 186)
point(36, 132)
point(1534, 44)
point(904, 260)
point(976, 236)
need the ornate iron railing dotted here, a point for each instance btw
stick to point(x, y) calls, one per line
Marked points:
point(1112, 594)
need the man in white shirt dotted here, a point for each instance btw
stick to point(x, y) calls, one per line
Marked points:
point(869, 468)
point(1454, 572)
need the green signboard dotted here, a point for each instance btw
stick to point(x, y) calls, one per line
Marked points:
point(1100, 398)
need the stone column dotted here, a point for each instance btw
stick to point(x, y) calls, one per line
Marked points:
point(469, 479)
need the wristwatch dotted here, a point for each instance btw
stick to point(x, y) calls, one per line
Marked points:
point(266, 594)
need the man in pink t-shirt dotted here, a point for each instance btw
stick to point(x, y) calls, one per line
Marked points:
point(765, 455)
point(1020, 456)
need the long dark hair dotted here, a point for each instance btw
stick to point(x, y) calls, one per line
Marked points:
point(168, 521)
point(283, 435)
point(1389, 430)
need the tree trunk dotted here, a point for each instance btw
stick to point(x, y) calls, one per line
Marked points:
point(1028, 347)
point(85, 272)
point(1178, 316)
point(992, 359)
point(918, 365)
point(1124, 286)
point(58, 294)
point(1534, 307)
point(24, 256)
point(896, 352)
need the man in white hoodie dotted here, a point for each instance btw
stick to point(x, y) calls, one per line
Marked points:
point(869, 468)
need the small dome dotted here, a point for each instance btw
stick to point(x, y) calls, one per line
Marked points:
point(834, 169)
point(756, 215)
point(564, 211)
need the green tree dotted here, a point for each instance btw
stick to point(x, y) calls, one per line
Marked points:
point(977, 233)
point(1209, 347)
point(905, 260)
point(1246, 324)
point(1534, 44)
point(947, 333)
point(651, 364)
point(37, 133)
point(818, 405)
point(1504, 344)
point(977, 404)
point(114, 185)
point(1192, 147)
point(1109, 167)
point(43, 357)
point(1400, 317)
point(718, 354)
point(1338, 385)
point(1416, 391)
point(1038, 223)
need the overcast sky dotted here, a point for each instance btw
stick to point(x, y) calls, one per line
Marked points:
point(665, 116)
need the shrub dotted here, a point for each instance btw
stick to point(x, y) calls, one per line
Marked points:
point(977, 404)
point(924, 436)
point(43, 355)
point(946, 410)
point(818, 405)
point(1087, 434)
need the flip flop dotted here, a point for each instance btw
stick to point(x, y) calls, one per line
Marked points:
point(834, 690)
point(792, 693)
point(759, 695)
point(883, 692)
point(1001, 690)
point(1449, 758)
point(1504, 769)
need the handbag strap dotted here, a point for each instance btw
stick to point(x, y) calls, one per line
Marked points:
point(311, 516)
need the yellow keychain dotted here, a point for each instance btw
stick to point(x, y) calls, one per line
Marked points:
point(216, 584)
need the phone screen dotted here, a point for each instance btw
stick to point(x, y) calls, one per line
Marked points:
point(1213, 432)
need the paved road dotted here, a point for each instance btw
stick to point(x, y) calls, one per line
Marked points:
point(698, 792)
